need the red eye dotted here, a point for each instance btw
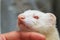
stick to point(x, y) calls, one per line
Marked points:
point(36, 17)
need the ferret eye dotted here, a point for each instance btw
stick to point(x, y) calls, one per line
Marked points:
point(36, 17)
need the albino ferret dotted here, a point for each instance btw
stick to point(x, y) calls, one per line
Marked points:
point(37, 21)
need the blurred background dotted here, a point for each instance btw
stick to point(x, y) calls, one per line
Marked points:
point(10, 9)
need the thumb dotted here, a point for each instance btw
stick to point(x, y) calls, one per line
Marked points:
point(32, 36)
point(22, 36)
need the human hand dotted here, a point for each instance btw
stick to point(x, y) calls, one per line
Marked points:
point(22, 36)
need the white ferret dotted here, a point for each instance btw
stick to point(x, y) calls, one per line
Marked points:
point(37, 21)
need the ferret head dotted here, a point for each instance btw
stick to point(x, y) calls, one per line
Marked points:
point(36, 20)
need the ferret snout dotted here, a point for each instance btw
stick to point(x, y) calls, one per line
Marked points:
point(21, 19)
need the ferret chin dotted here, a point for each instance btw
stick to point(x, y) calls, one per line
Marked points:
point(37, 21)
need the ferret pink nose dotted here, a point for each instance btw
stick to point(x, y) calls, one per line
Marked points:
point(21, 17)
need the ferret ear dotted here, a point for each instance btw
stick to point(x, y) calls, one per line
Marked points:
point(52, 18)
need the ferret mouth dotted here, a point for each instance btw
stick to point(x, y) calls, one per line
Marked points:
point(24, 27)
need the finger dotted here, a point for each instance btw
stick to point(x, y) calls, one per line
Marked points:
point(2, 37)
point(23, 36)
point(11, 35)
point(31, 36)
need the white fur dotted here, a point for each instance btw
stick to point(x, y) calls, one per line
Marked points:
point(46, 24)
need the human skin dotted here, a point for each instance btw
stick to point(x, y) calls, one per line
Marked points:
point(16, 35)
